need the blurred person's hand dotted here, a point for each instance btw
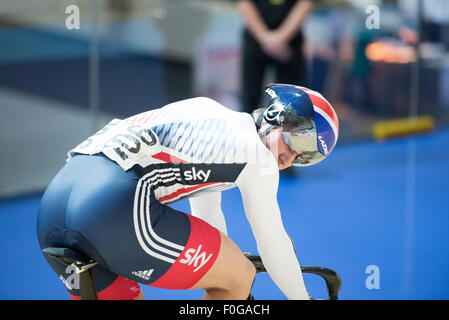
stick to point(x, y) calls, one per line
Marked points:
point(276, 45)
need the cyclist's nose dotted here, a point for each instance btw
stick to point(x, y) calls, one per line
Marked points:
point(286, 159)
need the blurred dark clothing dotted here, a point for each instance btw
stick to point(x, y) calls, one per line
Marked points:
point(255, 61)
point(273, 12)
point(357, 91)
point(433, 32)
point(361, 67)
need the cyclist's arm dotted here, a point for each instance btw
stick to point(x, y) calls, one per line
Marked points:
point(274, 245)
point(208, 208)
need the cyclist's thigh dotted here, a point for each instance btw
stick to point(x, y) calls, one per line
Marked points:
point(230, 271)
point(208, 258)
point(179, 249)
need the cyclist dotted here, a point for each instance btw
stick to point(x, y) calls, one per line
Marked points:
point(110, 200)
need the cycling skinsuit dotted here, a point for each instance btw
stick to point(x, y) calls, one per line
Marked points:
point(110, 200)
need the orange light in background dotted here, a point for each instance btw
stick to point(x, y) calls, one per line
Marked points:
point(390, 52)
point(375, 51)
point(406, 54)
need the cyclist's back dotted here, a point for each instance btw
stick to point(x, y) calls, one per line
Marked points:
point(184, 148)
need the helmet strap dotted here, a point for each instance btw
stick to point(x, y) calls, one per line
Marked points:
point(265, 129)
point(259, 120)
point(262, 126)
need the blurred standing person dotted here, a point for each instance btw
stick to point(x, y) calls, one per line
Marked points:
point(272, 37)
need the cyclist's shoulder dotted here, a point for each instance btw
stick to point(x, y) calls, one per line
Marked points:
point(204, 108)
point(197, 103)
point(201, 110)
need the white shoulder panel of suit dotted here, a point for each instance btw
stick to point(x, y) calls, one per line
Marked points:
point(195, 148)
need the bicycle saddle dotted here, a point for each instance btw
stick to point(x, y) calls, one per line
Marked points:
point(67, 257)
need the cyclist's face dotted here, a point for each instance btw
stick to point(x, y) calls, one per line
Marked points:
point(281, 151)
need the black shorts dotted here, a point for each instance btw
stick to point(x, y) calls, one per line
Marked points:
point(112, 216)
